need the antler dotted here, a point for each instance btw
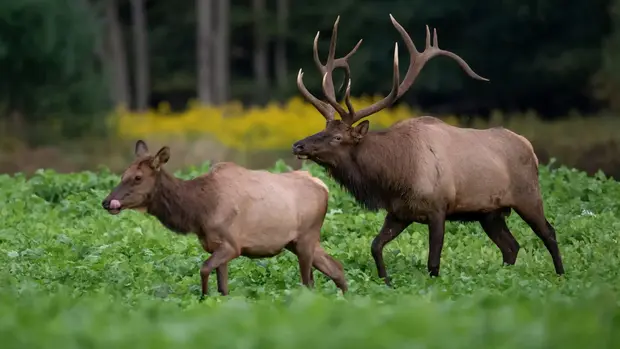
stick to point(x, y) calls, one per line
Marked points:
point(416, 63)
point(328, 109)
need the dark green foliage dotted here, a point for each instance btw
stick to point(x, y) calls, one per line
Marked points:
point(49, 67)
point(535, 55)
point(51, 187)
point(74, 276)
point(607, 80)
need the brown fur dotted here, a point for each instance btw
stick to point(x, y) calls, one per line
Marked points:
point(424, 170)
point(234, 212)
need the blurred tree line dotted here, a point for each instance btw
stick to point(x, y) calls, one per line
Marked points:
point(71, 61)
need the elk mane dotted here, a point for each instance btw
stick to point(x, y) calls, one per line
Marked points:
point(373, 174)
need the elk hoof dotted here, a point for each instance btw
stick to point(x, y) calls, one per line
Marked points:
point(433, 271)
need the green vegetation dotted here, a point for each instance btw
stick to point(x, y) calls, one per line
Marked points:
point(73, 276)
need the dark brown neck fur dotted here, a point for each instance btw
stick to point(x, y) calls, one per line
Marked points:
point(173, 204)
point(367, 172)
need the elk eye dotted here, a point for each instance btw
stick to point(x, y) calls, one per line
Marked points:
point(138, 178)
point(338, 138)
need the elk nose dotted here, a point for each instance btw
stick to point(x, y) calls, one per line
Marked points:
point(297, 147)
point(106, 204)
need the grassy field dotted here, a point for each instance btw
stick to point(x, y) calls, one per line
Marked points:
point(73, 276)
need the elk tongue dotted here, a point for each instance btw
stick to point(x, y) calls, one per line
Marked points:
point(115, 204)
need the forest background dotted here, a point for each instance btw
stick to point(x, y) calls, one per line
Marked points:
point(81, 80)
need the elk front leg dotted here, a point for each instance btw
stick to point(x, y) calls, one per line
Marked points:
point(436, 230)
point(224, 254)
point(392, 227)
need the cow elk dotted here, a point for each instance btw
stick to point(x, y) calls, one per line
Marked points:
point(422, 169)
point(233, 211)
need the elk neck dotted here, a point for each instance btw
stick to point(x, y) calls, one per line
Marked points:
point(366, 172)
point(173, 202)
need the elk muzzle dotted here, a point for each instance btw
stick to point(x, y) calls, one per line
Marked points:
point(299, 150)
point(112, 206)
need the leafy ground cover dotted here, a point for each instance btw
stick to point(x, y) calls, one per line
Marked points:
point(73, 276)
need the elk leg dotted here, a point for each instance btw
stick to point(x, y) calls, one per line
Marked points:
point(436, 232)
point(221, 256)
point(507, 236)
point(535, 218)
point(329, 266)
point(305, 258)
point(222, 279)
point(305, 268)
point(496, 229)
point(312, 275)
point(392, 227)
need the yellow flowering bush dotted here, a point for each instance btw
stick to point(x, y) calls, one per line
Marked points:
point(271, 127)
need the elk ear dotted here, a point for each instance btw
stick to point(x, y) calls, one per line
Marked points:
point(162, 157)
point(361, 129)
point(141, 148)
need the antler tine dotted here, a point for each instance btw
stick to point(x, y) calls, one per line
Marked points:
point(347, 98)
point(385, 102)
point(338, 63)
point(328, 83)
point(315, 52)
point(416, 63)
point(330, 97)
point(344, 63)
point(325, 109)
point(331, 64)
point(419, 59)
point(321, 106)
point(351, 53)
point(347, 77)
point(332, 45)
point(429, 44)
point(463, 65)
point(328, 109)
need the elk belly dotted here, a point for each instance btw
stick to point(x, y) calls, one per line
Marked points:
point(266, 242)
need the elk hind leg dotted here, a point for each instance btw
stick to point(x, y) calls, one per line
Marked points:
point(533, 214)
point(329, 266)
point(494, 225)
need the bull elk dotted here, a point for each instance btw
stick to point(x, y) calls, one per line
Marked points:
point(233, 211)
point(422, 169)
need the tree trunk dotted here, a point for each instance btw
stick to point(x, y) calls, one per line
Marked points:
point(17, 125)
point(116, 57)
point(141, 59)
point(260, 52)
point(281, 62)
point(203, 48)
point(221, 86)
point(606, 81)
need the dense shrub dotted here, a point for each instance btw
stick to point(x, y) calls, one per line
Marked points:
point(74, 276)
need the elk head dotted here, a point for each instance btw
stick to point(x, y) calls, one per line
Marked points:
point(328, 147)
point(138, 181)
